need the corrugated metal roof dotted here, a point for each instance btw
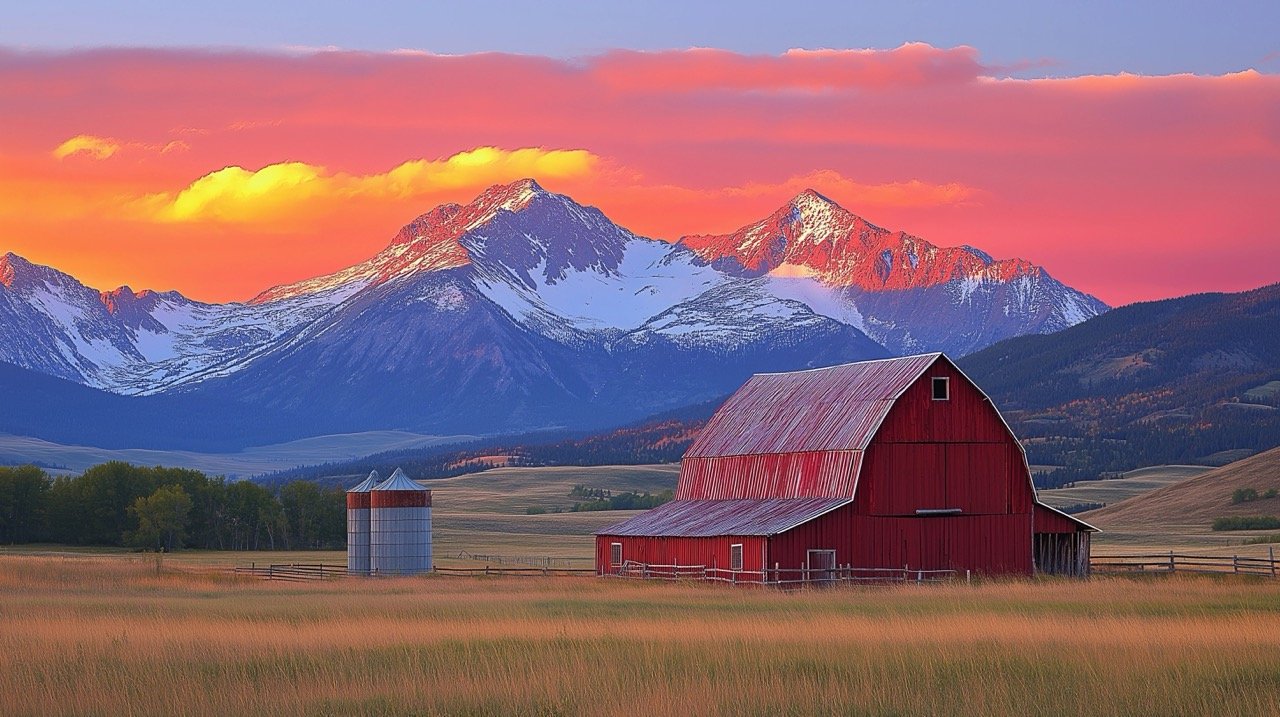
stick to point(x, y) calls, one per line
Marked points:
point(398, 481)
point(1068, 517)
point(835, 408)
point(709, 518)
point(367, 484)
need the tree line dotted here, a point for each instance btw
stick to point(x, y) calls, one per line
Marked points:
point(119, 504)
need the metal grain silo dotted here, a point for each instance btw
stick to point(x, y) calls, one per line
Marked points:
point(400, 527)
point(358, 524)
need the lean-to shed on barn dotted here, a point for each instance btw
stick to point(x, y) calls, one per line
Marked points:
point(878, 465)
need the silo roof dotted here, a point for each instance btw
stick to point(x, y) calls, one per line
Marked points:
point(398, 481)
point(367, 484)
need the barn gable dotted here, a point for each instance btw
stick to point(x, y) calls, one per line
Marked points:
point(798, 434)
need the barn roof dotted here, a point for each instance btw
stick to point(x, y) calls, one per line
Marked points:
point(836, 408)
point(709, 518)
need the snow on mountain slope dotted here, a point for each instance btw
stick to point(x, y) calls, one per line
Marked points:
point(561, 266)
point(133, 342)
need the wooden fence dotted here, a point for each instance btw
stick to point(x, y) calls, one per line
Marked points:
point(545, 571)
point(1172, 562)
point(295, 572)
point(785, 577)
point(529, 560)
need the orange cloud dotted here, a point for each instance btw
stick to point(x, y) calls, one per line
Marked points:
point(235, 194)
point(104, 147)
point(95, 147)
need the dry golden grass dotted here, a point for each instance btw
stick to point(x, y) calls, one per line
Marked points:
point(109, 636)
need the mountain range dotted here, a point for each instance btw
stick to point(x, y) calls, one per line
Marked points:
point(519, 310)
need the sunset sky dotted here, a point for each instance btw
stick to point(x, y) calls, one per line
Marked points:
point(1134, 153)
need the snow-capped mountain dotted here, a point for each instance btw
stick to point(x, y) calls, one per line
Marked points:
point(902, 291)
point(524, 309)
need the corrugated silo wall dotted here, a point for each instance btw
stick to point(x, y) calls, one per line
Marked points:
point(358, 532)
point(400, 532)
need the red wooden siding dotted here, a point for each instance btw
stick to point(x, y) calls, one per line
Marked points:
point(967, 417)
point(820, 474)
point(983, 544)
point(708, 552)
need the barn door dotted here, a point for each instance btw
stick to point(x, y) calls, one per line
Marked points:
point(822, 566)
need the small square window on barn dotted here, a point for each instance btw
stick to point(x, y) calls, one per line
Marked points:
point(615, 553)
point(735, 556)
point(941, 388)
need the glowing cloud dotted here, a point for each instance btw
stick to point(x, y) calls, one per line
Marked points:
point(95, 147)
point(235, 194)
point(104, 147)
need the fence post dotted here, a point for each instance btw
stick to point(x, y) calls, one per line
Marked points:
point(967, 580)
point(1271, 553)
point(1171, 567)
point(1235, 563)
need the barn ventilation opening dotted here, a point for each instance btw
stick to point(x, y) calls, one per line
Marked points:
point(735, 556)
point(941, 388)
point(615, 554)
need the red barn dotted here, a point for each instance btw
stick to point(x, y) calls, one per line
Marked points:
point(878, 465)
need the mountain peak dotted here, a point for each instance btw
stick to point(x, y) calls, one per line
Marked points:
point(15, 269)
point(513, 197)
point(812, 197)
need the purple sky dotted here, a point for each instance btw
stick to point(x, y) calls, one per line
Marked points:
point(1073, 37)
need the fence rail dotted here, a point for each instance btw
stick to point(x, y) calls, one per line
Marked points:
point(784, 577)
point(1172, 562)
point(490, 570)
point(295, 572)
point(530, 560)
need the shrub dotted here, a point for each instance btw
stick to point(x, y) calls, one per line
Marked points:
point(1247, 522)
point(1244, 495)
point(1081, 507)
point(1271, 493)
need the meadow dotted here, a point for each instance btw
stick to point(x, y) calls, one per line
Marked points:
point(112, 635)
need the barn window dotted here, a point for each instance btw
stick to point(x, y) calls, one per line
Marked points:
point(735, 556)
point(941, 388)
point(615, 553)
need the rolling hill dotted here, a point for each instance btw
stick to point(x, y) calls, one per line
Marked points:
point(1195, 502)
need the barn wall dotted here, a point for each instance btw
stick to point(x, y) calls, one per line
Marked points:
point(984, 544)
point(944, 454)
point(813, 474)
point(711, 552)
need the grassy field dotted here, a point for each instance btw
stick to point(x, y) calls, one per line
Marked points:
point(110, 635)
